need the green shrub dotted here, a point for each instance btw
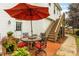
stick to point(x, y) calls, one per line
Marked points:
point(21, 52)
point(77, 33)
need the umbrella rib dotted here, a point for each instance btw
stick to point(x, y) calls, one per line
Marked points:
point(16, 13)
point(41, 12)
point(38, 15)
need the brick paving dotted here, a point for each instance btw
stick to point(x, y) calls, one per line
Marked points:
point(52, 48)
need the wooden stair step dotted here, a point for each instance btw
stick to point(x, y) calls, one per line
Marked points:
point(55, 25)
point(52, 39)
point(51, 35)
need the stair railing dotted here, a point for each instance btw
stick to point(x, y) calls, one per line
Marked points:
point(59, 24)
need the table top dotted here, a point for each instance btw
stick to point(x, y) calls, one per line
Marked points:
point(33, 39)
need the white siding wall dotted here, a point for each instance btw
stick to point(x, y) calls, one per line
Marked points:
point(57, 13)
point(4, 27)
point(51, 11)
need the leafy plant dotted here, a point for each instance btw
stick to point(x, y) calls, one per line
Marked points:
point(21, 52)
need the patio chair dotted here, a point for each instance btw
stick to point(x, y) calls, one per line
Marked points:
point(43, 40)
point(25, 35)
point(39, 50)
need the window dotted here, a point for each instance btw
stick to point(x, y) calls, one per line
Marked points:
point(18, 26)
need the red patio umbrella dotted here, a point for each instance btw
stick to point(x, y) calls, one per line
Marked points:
point(24, 11)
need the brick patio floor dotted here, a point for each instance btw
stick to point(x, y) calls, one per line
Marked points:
point(52, 47)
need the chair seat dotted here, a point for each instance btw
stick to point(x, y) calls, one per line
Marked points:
point(38, 45)
point(22, 44)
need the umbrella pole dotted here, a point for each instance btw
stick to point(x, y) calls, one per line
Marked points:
point(31, 29)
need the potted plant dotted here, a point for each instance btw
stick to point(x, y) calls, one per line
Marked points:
point(9, 43)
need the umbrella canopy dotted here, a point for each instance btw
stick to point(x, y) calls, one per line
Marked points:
point(24, 11)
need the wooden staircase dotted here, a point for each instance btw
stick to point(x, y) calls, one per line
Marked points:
point(52, 33)
point(55, 28)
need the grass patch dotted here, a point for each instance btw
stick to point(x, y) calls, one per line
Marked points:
point(77, 41)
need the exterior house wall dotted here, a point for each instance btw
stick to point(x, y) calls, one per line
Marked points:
point(38, 26)
point(4, 27)
point(53, 15)
point(57, 10)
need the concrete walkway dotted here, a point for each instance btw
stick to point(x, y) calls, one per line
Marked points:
point(68, 48)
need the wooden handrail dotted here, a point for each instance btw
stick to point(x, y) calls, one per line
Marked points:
point(59, 24)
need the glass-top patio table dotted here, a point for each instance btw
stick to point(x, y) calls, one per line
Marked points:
point(30, 41)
